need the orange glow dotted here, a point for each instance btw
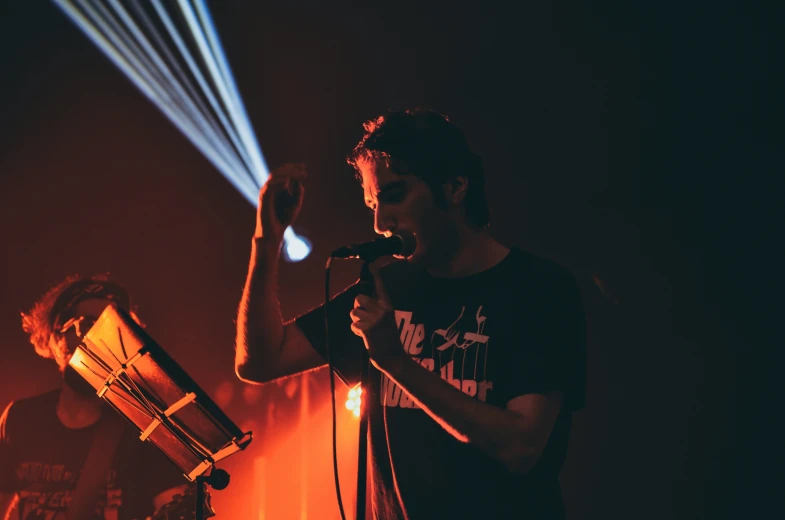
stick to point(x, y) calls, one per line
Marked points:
point(287, 472)
point(354, 400)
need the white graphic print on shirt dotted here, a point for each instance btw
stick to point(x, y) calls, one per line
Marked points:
point(458, 352)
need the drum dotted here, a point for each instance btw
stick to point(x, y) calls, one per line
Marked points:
point(143, 383)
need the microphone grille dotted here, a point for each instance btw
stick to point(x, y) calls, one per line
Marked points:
point(408, 242)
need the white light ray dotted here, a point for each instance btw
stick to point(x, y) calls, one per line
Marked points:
point(209, 112)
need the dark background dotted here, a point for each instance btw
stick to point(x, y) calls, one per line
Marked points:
point(631, 145)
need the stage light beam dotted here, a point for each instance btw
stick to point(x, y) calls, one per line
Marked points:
point(204, 105)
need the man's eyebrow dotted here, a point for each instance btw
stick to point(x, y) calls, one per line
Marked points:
point(387, 188)
point(391, 186)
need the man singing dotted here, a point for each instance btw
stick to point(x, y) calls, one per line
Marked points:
point(478, 350)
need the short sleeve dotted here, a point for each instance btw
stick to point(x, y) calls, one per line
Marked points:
point(8, 460)
point(551, 355)
point(346, 348)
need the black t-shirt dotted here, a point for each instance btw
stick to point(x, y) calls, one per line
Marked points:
point(40, 460)
point(514, 329)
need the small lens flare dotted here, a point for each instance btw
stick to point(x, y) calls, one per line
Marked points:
point(354, 400)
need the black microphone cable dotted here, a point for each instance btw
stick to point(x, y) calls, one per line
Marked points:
point(402, 244)
point(332, 383)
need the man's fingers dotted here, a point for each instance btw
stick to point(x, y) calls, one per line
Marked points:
point(287, 183)
point(295, 187)
point(356, 330)
point(283, 188)
point(290, 170)
point(358, 314)
point(363, 301)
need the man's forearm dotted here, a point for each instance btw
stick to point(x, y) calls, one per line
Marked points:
point(259, 323)
point(498, 432)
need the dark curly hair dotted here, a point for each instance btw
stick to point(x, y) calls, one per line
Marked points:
point(429, 146)
point(43, 319)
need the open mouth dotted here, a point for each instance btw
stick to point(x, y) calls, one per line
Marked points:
point(410, 246)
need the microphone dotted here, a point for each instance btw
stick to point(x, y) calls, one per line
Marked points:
point(401, 244)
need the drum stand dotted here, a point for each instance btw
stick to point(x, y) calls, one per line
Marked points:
point(217, 479)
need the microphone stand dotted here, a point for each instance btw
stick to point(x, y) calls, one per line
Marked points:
point(368, 253)
point(217, 479)
point(362, 454)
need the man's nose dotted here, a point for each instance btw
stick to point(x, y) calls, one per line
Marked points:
point(383, 222)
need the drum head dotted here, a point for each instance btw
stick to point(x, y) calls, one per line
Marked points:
point(138, 379)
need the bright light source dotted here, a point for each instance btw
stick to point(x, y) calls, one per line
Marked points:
point(354, 401)
point(297, 247)
point(184, 72)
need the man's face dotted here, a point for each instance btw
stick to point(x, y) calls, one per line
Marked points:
point(405, 203)
point(84, 315)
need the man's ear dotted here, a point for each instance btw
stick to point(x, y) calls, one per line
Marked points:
point(455, 189)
